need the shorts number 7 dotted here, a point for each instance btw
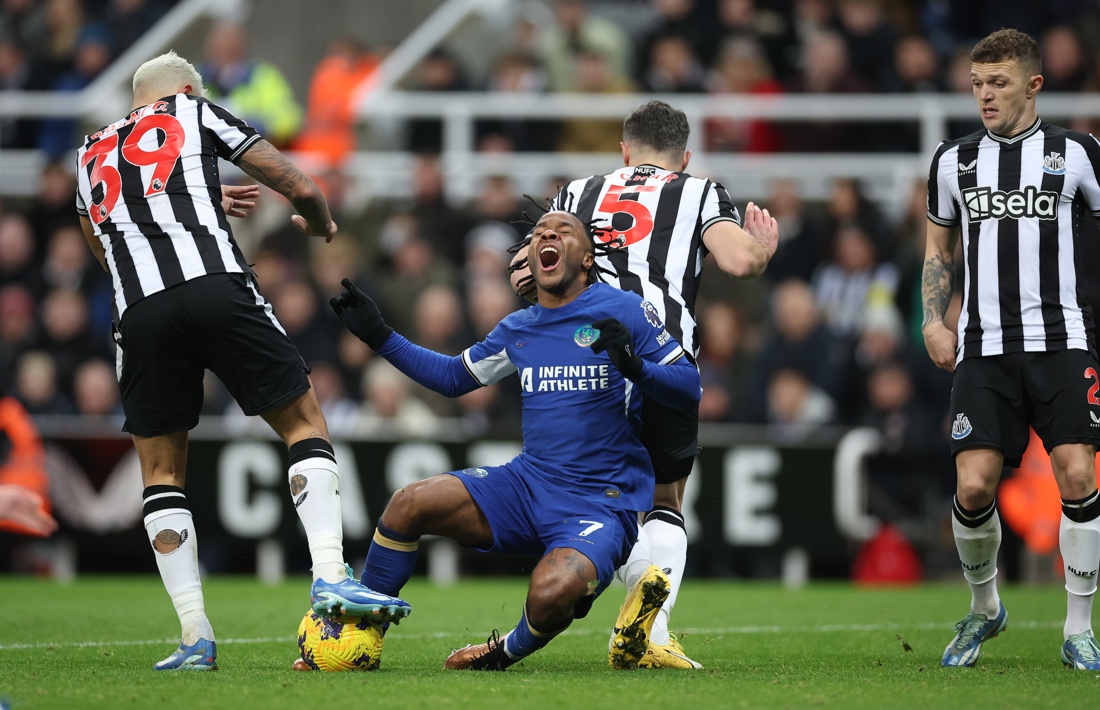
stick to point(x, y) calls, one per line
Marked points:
point(593, 526)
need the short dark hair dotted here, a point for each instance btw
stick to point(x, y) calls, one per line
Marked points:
point(1009, 45)
point(657, 126)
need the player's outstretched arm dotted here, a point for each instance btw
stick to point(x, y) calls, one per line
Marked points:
point(268, 166)
point(442, 373)
point(744, 252)
point(937, 286)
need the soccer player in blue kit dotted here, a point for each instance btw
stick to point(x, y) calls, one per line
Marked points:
point(584, 354)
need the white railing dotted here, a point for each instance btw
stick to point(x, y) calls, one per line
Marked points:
point(887, 175)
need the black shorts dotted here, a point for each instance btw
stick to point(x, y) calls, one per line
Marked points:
point(669, 434)
point(218, 322)
point(995, 398)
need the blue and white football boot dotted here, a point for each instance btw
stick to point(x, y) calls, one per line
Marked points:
point(973, 631)
point(350, 598)
point(1081, 652)
point(199, 656)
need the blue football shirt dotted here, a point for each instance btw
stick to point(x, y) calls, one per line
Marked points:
point(581, 417)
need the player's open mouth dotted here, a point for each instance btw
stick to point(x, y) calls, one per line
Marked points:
point(549, 257)
point(989, 112)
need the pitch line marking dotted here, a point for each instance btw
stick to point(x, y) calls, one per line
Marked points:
point(710, 631)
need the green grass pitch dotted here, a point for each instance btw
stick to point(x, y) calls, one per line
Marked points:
point(91, 644)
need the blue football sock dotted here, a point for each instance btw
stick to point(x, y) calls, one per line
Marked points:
point(391, 560)
point(526, 639)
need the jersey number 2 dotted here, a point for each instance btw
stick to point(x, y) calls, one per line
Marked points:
point(163, 159)
point(614, 203)
point(1090, 374)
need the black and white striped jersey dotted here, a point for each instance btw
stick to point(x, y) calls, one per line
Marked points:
point(660, 217)
point(1019, 202)
point(149, 183)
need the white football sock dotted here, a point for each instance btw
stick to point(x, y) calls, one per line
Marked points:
point(313, 488)
point(668, 550)
point(638, 561)
point(172, 534)
point(1079, 544)
point(978, 547)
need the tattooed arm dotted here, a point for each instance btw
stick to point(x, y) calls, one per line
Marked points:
point(937, 286)
point(267, 165)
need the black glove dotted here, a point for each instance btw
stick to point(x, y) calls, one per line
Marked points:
point(616, 340)
point(361, 315)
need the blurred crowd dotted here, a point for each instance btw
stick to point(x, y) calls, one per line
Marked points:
point(829, 336)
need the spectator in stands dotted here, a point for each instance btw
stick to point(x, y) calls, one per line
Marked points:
point(130, 19)
point(853, 280)
point(870, 38)
point(672, 67)
point(796, 407)
point(915, 67)
point(24, 22)
point(53, 203)
point(19, 264)
point(847, 205)
point(724, 363)
point(35, 385)
point(800, 341)
point(414, 266)
point(439, 71)
point(389, 408)
point(58, 134)
point(24, 482)
point(1065, 66)
point(95, 390)
point(880, 339)
point(801, 238)
point(772, 30)
point(253, 89)
point(67, 336)
point(742, 69)
point(671, 18)
point(52, 56)
point(329, 130)
point(18, 330)
point(298, 307)
point(576, 34)
point(825, 70)
point(15, 73)
point(443, 225)
point(582, 135)
point(516, 72)
point(69, 265)
point(438, 320)
point(498, 204)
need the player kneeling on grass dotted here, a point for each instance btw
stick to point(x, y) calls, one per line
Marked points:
point(573, 495)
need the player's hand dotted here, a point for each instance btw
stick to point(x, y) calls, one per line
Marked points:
point(23, 507)
point(519, 275)
point(328, 231)
point(237, 200)
point(941, 343)
point(361, 315)
point(616, 340)
point(762, 227)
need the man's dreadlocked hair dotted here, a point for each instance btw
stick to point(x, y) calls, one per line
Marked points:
point(592, 230)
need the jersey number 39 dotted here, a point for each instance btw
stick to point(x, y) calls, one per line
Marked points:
point(163, 159)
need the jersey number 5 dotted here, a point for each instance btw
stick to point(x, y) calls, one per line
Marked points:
point(163, 159)
point(616, 202)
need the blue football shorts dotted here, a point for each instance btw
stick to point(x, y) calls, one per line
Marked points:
point(528, 515)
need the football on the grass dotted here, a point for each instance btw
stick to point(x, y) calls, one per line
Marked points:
point(341, 643)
